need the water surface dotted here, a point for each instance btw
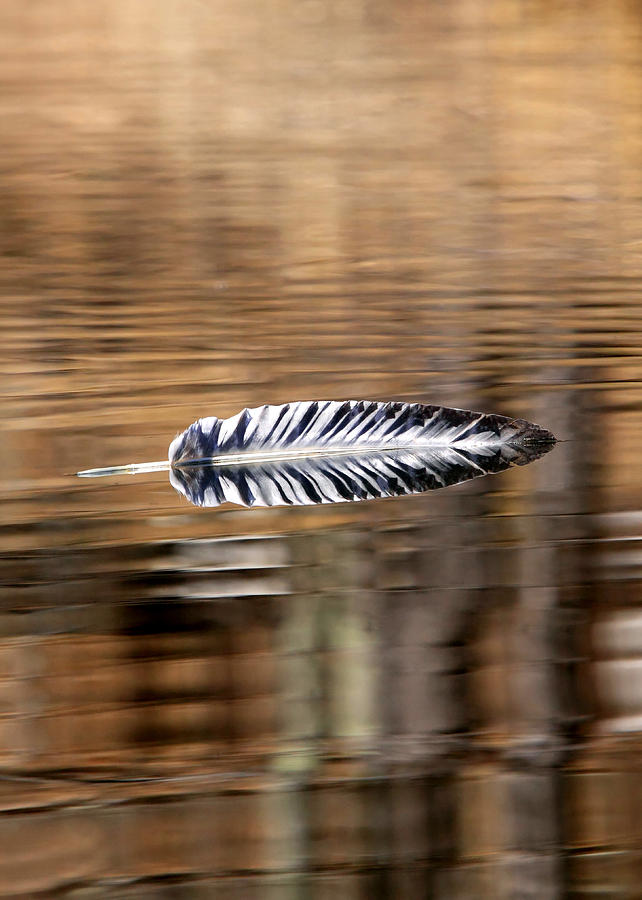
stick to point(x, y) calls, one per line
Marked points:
point(211, 206)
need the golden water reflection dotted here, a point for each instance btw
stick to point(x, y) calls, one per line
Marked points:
point(207, 206)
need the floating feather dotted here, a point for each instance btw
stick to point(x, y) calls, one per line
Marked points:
point(330, 451)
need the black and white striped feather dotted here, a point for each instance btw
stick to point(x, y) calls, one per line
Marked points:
point(323, 427)
point(327, 451)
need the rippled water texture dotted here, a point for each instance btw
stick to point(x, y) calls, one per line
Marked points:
point(210, 205)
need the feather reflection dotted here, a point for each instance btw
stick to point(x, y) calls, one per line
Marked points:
point(345, 478)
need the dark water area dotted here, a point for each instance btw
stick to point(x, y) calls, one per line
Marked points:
point(207, 206)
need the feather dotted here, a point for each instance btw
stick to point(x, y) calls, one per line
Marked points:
point(323, 427)
point(335, 449)
point(337, 478)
